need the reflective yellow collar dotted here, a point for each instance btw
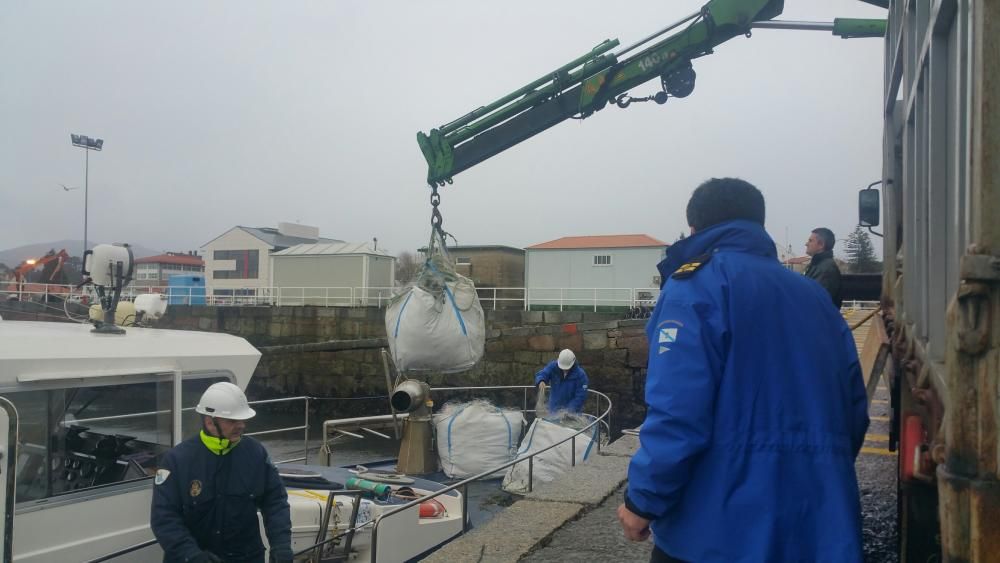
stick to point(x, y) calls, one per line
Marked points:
point(218, 446)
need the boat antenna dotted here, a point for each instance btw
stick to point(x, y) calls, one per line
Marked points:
point(108, 267)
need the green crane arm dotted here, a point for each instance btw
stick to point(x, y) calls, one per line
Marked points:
point(588, 83)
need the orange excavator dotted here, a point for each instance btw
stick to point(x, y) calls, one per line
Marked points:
point(16, 289)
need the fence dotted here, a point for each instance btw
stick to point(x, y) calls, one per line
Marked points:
point(561, 299)
point(547, 298)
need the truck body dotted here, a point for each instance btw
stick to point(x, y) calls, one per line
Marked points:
point(941, 174)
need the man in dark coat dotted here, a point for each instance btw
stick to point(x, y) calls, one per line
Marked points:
point(751, 433)
point(822, 267)
point(209, 488)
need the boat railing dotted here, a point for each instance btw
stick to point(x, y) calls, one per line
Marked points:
point(303, 427)
point(123, 551)
point(349, 427)
point(600, 420)
point(314, 550)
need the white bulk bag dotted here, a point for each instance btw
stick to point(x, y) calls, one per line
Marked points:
point(473, 437)
point(436, 323)
point(553, 463)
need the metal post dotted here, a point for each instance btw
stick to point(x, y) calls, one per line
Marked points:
point(86, 194)
point(324, 524)
point(374, 550)
point(572, 450)
point(465, 508)
point(175, 416)
point(354, 525)
point(531, 468)
point(595, 299)
point(306, 438)
point(494, 299)
point(598, 427)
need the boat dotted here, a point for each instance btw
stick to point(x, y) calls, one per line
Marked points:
point(88, 415)
point(87, 411)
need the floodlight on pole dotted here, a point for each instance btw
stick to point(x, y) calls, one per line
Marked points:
point(88, 144)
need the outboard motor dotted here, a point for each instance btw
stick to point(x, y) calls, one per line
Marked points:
point(416, 453)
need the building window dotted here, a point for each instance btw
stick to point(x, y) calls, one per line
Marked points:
point(602, 260)
point(463, 261)
point(246, 264)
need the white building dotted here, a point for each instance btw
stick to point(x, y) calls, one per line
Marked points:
point(238, 262)
point(581, 272)
point(333, 274)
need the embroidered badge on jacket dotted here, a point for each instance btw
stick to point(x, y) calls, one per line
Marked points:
point(195, 488)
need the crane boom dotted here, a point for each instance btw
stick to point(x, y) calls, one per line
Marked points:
point(588, 83)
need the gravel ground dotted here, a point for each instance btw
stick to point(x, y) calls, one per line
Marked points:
point(877, 472)
point(597, 537)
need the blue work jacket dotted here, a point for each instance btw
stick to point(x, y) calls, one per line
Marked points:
point(209, 502)
point(565, 393)
point(756, 409)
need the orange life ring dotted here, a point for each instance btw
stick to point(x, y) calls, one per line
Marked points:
point(431, 509)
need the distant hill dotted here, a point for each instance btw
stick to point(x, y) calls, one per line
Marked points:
point(14, 256)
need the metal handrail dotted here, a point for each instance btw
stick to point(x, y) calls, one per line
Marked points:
point(336, 424)
point(598, 421)
point(465, 483)
point(369, 296)
point(593, 297)
point(123, 551)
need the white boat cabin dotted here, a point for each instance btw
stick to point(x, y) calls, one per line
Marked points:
point(95, 412)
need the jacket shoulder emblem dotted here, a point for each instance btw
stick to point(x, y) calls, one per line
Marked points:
point(689, 269)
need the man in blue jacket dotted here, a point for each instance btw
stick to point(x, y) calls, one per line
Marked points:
point(567, 383)
point(209, 488)
point(756, 409)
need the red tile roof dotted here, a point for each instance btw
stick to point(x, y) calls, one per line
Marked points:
point(798, 260)
point(174, 259)
point(601, 241)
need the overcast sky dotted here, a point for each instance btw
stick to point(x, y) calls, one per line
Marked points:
point(223, 113)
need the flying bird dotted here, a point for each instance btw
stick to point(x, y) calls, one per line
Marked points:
point(69, 189)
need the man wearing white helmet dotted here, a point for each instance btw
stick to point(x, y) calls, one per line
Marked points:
point(209, 488)
point(567, 380)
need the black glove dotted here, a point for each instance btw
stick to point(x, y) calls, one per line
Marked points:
point(206, 557)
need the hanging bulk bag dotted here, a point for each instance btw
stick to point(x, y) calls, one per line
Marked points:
point(436, 322)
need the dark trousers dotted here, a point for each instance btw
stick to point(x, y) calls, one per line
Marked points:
point(659, 556)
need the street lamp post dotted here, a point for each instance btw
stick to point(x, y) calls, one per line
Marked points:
point(88, 145)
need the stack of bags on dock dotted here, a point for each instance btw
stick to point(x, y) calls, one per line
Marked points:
point(549, 465)
point(476, 436)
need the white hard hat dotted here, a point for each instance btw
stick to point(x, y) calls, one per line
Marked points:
point(566, 359)
point(225, 400)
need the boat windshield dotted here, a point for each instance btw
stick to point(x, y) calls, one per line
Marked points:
point(78, 438)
